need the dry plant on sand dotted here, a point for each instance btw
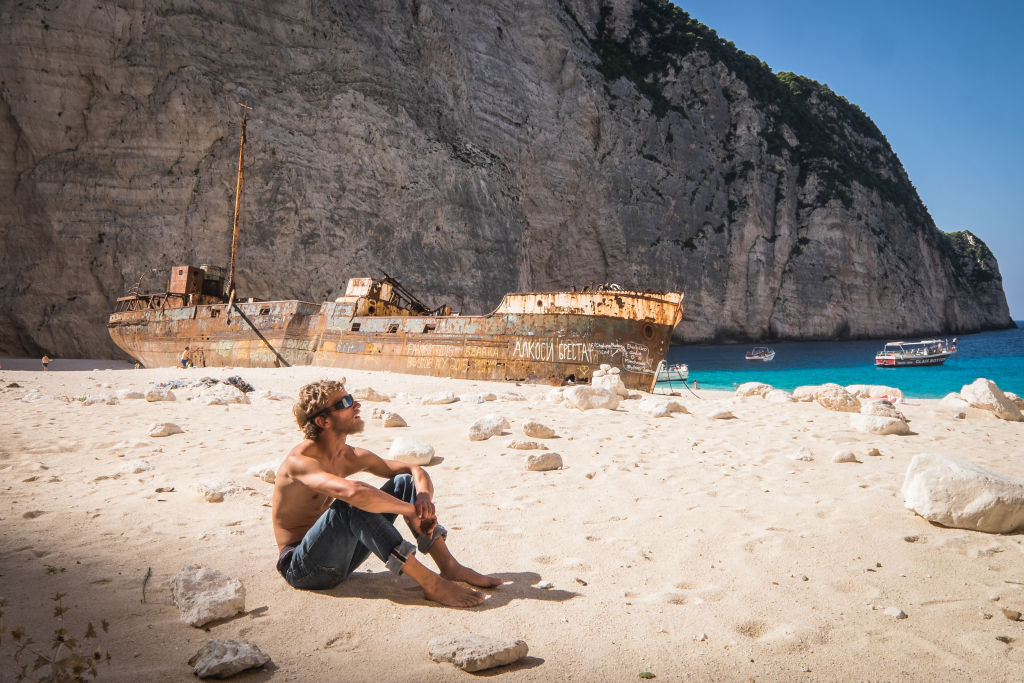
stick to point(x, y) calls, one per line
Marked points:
point(61, 658)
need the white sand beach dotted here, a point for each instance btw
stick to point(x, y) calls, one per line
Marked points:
point(684, 546)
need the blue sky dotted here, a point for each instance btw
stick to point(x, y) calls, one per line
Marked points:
point(943, 80)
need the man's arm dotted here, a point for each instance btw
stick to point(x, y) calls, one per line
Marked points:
point(308, 472)
point(374, 464)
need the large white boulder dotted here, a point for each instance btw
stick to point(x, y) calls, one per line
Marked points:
point(983, 393)
point(589, 398)
point(411, 451)
point(835, 397)
point(222, 394)
point(204, 595)
point(538, 430)
point(753, 389)
point(879, 424)
point(487, 426)
point(612, 382)
point(961, 494)
point(155, 393)
point(806, 393)
point(778, 396)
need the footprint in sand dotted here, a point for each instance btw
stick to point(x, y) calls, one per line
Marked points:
point(343, 642)
point(752, 629)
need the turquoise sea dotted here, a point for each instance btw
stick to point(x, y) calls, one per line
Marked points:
point(998, 356)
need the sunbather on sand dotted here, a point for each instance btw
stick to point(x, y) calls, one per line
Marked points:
point(326, 524)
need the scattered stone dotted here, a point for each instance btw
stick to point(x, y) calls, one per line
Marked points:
point(222, 394)
point(164, 429)
point(844, 456)
point(487, 426)
point(511, 396)
point(156, 393)
point(411, 451)
point(100, 399)
point(525, 445)
point(538, 430)
point(983, 393)
point(473, 652)
point(656, 409)
point(129, 394)
point(1011, 614)
point(136, 466)
point(834, 397)
point(778, 396)
point(369, 394)
point(882, 409)
point(225, 658)
point(803, 454)
point(911, 539)
point(1004, 639)
point(554, 396)
point(896, 613)
point(875, 391)
point(806, 394)
point(610, 382)
point(753, 389)
point(214, 490)
point(874, 453)
point(203, 595)
point(390, 419)
point(961, 494)
point(589, 398)
point(544, 462)
point(874, 424)
point(954, 401)
point(721, 414)
point(267, 471)
point(440, 398)
point(675, 406)
point(545, 585)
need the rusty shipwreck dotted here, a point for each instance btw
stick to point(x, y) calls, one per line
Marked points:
point(549, 337)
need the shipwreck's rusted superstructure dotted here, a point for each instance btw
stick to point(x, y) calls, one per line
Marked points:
point(550, 337)
point(377, 325)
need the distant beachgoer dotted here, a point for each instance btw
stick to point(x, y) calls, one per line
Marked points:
point(695, 384)
point(46, 362)
point(186, 357)
point(326, 524)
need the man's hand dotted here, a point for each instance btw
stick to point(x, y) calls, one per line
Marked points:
point(425, 507)
point(422, 527)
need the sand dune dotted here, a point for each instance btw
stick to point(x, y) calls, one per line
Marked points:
point(685, 546)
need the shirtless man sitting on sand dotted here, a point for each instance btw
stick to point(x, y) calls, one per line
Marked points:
point(326, 524)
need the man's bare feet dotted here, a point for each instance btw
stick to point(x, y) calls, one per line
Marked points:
point(451, 594)
point(439, 589)
point(458, 572)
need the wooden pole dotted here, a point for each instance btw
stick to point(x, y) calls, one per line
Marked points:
point(238, 201)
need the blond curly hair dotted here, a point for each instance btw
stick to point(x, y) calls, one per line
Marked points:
point(312, 400)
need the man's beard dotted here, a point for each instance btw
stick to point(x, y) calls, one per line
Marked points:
point(355, 426)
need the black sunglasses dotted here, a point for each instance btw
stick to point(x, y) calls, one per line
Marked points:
point(343, 403)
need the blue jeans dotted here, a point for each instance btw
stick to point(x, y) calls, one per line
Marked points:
point(345, 535)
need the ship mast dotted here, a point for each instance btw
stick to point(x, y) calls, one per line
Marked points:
point(238, 200)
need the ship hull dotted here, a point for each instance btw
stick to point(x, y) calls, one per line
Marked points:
point(550, 337)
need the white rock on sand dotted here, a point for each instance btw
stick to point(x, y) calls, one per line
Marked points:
point(957, 493)
point(685, 547)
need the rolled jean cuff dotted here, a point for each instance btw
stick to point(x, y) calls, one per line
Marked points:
point(402, 552)
point(425, 543)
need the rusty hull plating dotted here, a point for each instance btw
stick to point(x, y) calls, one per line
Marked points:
point(543, 337)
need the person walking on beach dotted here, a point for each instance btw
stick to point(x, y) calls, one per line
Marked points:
point(46, 363)
point(326, 524)
point(186, 357)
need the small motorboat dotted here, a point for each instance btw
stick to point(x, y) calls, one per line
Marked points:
point(761, 353)
point(900, 354)
point(678, 372)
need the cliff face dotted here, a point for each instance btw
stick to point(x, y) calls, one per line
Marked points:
point(468, 149)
